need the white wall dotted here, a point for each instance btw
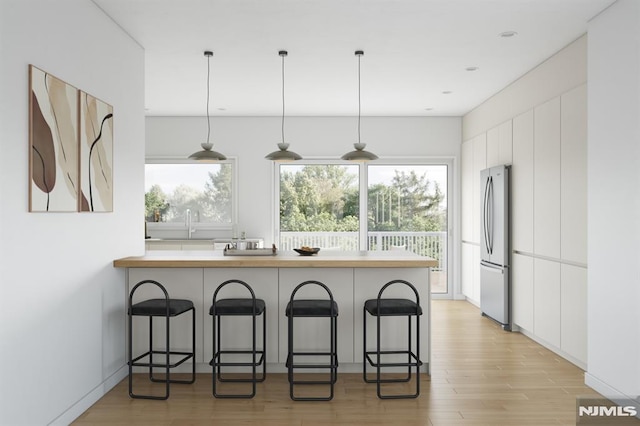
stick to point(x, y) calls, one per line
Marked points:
point(614, 200)
point(62, 320)
point(251, 138)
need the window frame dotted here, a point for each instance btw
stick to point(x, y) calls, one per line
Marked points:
point(449, 162)
point(201, 226)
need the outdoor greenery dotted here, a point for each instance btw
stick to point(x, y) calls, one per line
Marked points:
point(324, 198)
point(210, 204)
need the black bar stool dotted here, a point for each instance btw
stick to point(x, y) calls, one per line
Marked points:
point(238, 307)
point(165, 308)
point(313, 308)
point(385, 307)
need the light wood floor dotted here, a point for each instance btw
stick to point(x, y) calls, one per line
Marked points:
point(481, 375)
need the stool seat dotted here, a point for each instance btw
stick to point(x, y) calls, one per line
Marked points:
point(237, 307)
point(158, 307)
point(312, 308)
point(391, 307)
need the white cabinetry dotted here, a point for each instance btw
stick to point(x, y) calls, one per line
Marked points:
point(499, 144)
point(522, 183)
point(179, 245)
point(522, 291)
point(546, 191)
point(474, 159)
point(573, 179)
point(479, 163)
point(467, 267)
point(467, 191)
point(546, 303)
point(573, 321)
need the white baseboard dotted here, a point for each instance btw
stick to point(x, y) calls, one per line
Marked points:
point(91, 398)
point(605, 390)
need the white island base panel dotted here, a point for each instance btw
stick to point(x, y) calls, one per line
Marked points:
point(350, 288)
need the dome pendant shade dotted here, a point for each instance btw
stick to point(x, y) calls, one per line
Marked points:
point(283, 154)
point(207, 155)
point(359, 154)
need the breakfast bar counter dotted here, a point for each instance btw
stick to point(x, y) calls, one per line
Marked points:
point(330, 259)
point(352, 277)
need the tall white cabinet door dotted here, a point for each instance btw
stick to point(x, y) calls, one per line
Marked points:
point(499, 144)
point(574, 312)
point(368, 282)
point(236, 330)
point(522, 183)
point(522, 291)
point(474, 294)
point(546, 208)
point(180, 283)
point(479, 163)
point(312, 334)
point(546, 303)
point(467, 200)
point(574, 175)
point(467, 264)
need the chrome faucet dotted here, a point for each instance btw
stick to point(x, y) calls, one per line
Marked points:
point(190, 228)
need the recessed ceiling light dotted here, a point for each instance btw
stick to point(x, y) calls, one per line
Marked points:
point(471, 68)
point(507, 34)
point(447, 92)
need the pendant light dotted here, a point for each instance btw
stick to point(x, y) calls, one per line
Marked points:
point(283, 154)
point(359, 154)
point(207, 155)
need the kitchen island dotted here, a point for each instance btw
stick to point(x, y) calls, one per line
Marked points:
point(353, 277)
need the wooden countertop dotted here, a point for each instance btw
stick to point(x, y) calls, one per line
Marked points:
point(333, 259)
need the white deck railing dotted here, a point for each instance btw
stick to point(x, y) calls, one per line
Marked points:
point(432, 244)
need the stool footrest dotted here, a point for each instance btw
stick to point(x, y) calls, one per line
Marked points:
point(217, 357)
point(290, 363)
point(185, 357)
point(416, 363)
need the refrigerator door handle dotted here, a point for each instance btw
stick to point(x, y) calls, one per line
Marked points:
point(485, 215)
point(490, 209)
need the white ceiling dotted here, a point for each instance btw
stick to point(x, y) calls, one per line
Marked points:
point(414, 51)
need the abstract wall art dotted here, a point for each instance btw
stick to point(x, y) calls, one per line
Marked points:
point(96, 155)
point(53, 143)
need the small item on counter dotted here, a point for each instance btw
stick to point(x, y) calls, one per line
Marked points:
point(307, 251)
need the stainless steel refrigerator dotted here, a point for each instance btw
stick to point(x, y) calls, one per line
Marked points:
point(494, 245)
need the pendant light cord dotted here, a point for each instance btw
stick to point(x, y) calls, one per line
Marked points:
point(208, 79)
point(283, 55)
point(359, 97)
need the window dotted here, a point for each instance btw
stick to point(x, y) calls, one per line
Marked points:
point(319, 206)
point(205, 191)
point(406, 208)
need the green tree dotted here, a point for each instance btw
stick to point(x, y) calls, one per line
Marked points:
point(318, 198)
point(155, 200)
point(215, 201)
point(410, 203)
